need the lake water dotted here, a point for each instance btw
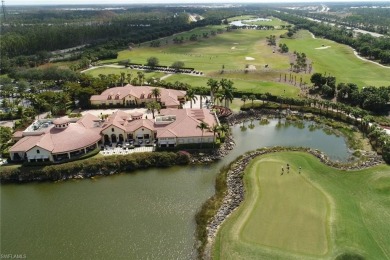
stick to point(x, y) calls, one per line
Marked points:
point(147, 214)
point(243, 22)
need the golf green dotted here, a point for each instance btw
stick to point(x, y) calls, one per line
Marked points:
point(315, 212)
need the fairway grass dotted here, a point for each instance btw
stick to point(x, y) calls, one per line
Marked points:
point(319, 213)
point(224, 56)
point(338, 60)
point(107, 70)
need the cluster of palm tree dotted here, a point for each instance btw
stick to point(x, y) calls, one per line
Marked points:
point(155, 105)
point(216, 129)
point(114, 80)
point(221, 91)
point(380, 140)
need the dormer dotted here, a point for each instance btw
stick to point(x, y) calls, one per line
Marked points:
point(61, 123)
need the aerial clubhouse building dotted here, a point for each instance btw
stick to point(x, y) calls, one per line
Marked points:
point(132, 96)
point(64, 139)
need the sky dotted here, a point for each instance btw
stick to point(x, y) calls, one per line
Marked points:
point(86, 2)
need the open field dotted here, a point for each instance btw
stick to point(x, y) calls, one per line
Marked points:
point(338, 60)
point(319, 213)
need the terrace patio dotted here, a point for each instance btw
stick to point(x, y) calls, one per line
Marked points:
point(124, 150)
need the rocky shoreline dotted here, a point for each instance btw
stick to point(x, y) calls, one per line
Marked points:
point(234, 181)
point(235, 186)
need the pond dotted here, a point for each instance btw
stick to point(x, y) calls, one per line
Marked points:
point(244, 22)
point(147, 214)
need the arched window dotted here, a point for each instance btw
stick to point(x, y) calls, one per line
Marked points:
point(112, 130)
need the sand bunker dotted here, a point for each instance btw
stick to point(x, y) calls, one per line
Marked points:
point(233, 47)
point(251, 67)
point(322, 48)
point(249, 58)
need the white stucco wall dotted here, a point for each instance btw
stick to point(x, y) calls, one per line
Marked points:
point(117, 131)
point(145, 131)
point(194, 140)
point(34, 154)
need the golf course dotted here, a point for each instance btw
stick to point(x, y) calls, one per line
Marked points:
point(244, 56)
point(315, 212)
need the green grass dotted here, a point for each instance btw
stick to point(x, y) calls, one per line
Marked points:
point(339, 61)
point(107, 70)
point(254, 86)
point(209, 55)
point(318, 214)
point(230, 49)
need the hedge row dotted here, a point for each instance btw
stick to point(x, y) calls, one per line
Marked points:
point(95, 166)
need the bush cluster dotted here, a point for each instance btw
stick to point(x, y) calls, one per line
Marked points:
point(94, 166)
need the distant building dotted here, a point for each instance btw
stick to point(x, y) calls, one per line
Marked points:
point(138, 96)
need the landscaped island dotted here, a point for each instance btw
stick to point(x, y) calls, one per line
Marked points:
point(297, 207)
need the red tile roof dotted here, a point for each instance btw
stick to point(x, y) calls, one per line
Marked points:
point(61, 140)
point(168, 96)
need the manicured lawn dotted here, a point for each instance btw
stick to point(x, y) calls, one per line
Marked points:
point(254, 86)
point(229, 49)
point(319, 213)
point(107, 70)
point(227, 55)
point(339, 61)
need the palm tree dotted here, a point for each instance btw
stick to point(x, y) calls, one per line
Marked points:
point(215, 129)
point(128, 77)
point(153, 106)
point(219, 97)
point(224, 128)
point(214, 86)
point(156, 92)
point(141, 77)
point(202, 94)
point(327, 104)
point(116, 79)
point(252, 98)
point(122, 78)
point(190, 96)
point(244, 98)
point(227, 88)
point(202, 126)
point(263, 97)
